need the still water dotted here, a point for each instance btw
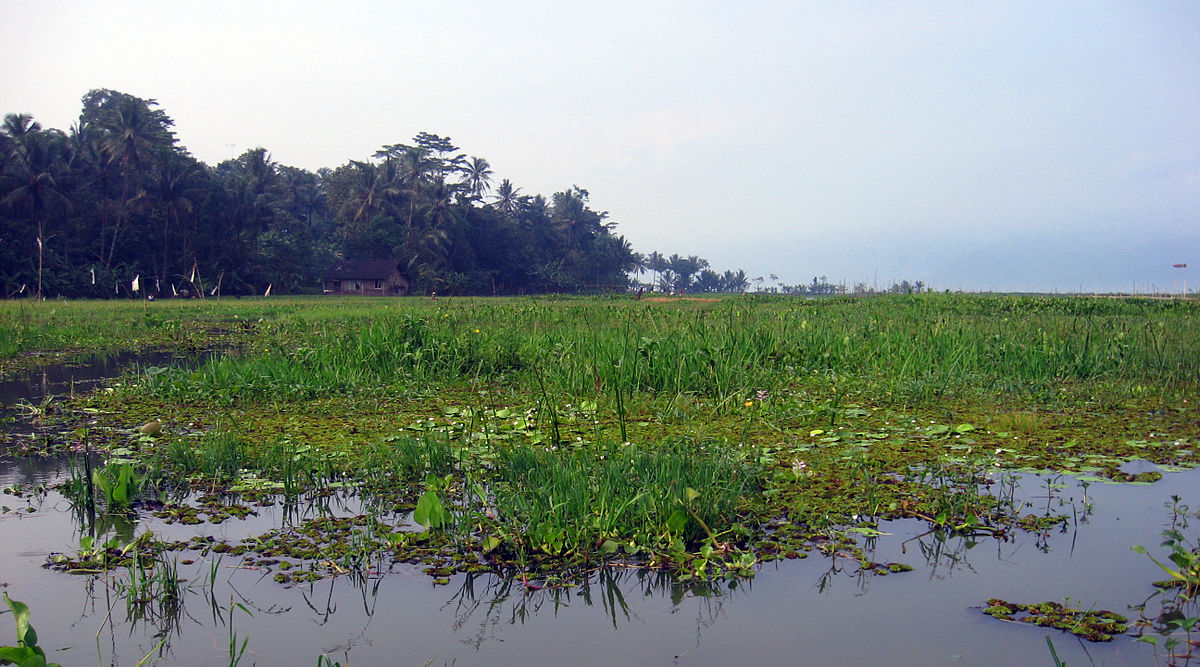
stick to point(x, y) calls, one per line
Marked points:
point(815, 611)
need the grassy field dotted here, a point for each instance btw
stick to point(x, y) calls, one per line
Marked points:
point(556, 433)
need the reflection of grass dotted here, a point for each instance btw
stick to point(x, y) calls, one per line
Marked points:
point(564, 430)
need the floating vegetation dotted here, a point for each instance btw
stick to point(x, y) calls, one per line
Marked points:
point(1092, 625)
point(546, 440)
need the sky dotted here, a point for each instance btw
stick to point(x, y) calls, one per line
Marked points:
point(1005, 146)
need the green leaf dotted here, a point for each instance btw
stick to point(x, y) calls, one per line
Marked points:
point(424, 504)
point(863, 530)
point(20, 612)
point(17, 655)
point(676, 522)
point(491, 542)
point(691, 494)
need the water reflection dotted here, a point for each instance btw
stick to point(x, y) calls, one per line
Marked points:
point(26, 398)
point(487, 602)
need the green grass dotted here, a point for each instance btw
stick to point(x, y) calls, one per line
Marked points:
point(571, 431)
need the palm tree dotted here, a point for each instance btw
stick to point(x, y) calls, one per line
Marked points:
point(507, 197)
point(131, 133)
point(414, 167)
point(18, 125)
point(477, 177)
point(373, 189)
point(684, 268)
point(34, 164)
point(656, 263)
point(173, 186)
point(639, 263)
point(735, 281)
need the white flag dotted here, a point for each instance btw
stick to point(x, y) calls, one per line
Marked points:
point(193, 278)
point(214, 291)
point(136, 284)
point(268, 292)
point(157, 287)
point(93, 275)
point(22, 290)
point(39, 244)
point(173, 292)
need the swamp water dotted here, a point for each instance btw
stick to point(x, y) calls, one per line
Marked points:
point(818, 610)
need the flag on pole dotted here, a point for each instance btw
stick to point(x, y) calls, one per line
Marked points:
point(39, 244)
point(193, 278)
point(173, 292)
point(93, 275)
point(22, 290)
point(136, 285)
point(214, 291)
point(268, 292)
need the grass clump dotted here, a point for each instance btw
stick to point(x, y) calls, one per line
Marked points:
point(584, 504)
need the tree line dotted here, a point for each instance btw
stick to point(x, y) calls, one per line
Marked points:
point(117, 196)
point(84, 211)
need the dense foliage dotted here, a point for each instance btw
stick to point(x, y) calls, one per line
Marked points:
point(83, 212)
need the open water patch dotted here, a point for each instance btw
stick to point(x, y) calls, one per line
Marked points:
point(823, 609)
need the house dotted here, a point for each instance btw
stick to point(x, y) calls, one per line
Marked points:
point(375, 277)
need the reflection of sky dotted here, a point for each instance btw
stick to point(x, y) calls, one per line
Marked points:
point(31, 388)
point(782, 616)
point(972, 145)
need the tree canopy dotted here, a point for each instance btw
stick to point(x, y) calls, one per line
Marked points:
point(84, 211)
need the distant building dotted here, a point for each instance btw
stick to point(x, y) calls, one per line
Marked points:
point(375, 277)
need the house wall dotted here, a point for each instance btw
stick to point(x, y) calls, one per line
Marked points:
point(394, 286)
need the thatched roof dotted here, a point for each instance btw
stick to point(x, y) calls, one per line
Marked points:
point(366, 269)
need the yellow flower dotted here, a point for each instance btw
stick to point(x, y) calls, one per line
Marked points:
point(477, 331)
point(749, 403)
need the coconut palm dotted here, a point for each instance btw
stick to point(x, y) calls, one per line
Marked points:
point(34, 164)
point(507, 197)
point(131, 134)
point(477, 177)
point(656, 263)
point(175, 189)
point(372, 191)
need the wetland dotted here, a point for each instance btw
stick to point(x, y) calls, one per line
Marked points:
point(915, 479)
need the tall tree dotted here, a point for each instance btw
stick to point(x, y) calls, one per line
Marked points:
point(35, 161)
point(174, 189)
point(507, 197)
point(131, 134)
point(477, 177)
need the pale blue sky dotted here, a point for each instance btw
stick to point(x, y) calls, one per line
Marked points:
point(992, 145)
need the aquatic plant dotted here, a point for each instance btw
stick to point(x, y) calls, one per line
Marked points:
point(118, 482)
point(236, 651)
point(585, 503)
point(26, 653)
point(1092, 625)
point(1185, 558)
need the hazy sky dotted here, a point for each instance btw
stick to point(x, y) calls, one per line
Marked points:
point(976, 145)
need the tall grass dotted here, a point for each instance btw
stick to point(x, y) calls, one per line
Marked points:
point(914, 348)
point(565, 503)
